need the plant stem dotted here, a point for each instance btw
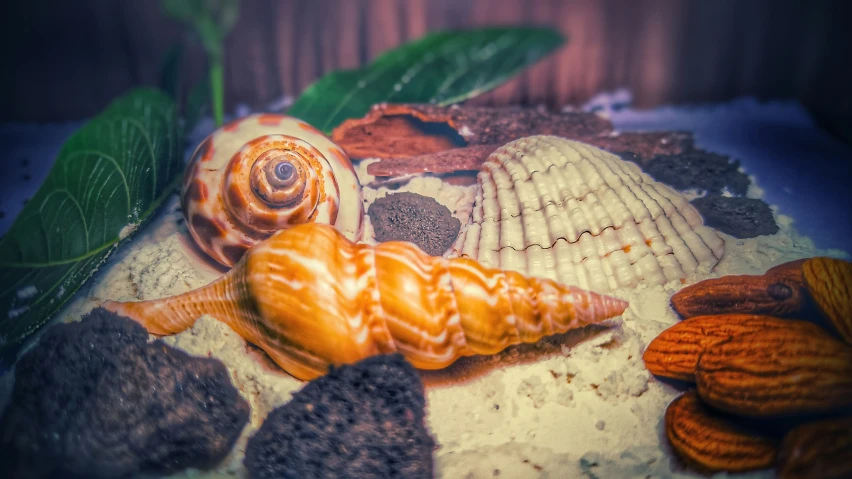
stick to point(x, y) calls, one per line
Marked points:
point(217, 89)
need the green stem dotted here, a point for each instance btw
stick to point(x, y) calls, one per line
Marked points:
point(217, 89)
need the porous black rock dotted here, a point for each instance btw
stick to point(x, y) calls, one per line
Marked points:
point(738, 217)
point(364, 420)
point(414, 218)
point(55, 380)
point(701, 170)
point(94, 399)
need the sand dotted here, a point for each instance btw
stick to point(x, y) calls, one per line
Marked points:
point(577, 405)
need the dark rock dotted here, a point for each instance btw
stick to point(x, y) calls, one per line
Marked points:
point(94, 399)
point(700, 170)
point(642, 146)
point(738, 217)
point(170, 409)
point(57, 377)
point(415, 218)
point(629, 156)
point(362, 421)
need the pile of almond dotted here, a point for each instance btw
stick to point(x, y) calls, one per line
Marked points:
point(754, 349)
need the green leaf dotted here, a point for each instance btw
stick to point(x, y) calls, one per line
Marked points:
point(441, 68)
point(212, 20)
point(108, 178)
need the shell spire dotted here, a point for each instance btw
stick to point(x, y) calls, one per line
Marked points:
point(264, 173)
point(311, 298)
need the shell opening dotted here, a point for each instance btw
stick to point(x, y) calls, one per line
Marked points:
point(279, 178)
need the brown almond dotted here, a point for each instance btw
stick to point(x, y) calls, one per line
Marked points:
point(779, 292)
point(777, 372)
point(704, 440)
point(791, 270)
point(674, 353)
point(819, 449)
point(829, 282)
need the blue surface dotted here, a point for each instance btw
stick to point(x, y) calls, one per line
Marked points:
point(29, 151)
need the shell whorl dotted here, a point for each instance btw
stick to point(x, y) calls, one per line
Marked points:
point(560, 209)
point(310, 298)
point(265, 173)
point(276, 181)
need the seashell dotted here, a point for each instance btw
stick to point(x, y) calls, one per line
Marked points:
point(311, 298)
point(264, 173)
point(563, 210)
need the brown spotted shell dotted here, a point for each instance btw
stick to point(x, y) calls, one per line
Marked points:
point(265, 173)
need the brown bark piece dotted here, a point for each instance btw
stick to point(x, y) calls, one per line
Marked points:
point(420, 138)
point(644, 146)
point(407, 130)
point(394, 137)
point(468, 158)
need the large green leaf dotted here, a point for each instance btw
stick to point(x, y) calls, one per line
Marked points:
point(442, 68)
point(109, 177)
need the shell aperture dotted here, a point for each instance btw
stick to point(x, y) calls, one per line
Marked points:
point(264, 173)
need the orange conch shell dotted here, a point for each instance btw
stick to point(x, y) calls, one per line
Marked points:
point(310, 298)
point(264, 173)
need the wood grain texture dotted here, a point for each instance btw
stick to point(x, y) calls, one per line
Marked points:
point(70, 58)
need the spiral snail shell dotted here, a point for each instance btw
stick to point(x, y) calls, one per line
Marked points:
point(311, 298)
point(263, 173)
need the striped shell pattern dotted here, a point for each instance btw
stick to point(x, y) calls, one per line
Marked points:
point(311, 298)
point(563, 210)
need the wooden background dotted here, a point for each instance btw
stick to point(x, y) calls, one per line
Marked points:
point(69, 58)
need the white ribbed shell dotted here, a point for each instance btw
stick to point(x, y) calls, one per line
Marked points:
point(567, 211)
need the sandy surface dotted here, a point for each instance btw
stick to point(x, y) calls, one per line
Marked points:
point(578, 405)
